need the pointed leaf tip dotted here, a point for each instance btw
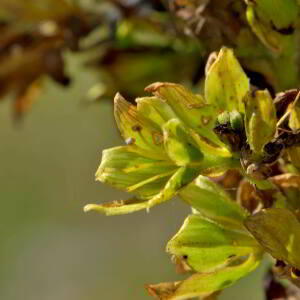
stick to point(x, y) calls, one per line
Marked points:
point(89, 207)
point(118, 97)
point(162, 291)
point(117, 207)
point(226, 84)
point(135, 127)
point(153, 87)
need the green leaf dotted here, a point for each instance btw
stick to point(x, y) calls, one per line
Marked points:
point(179, 145)
point(260, 119)
point(204, 284)
point(155, 109)
point(278, 232)
point(180, 178)
point(190, 108)
point(226, 84)
point(134, 170)
point(135, 128)
point(185, 147)
point(207, 148)
point(207, 246)
point(118, 207)
point(211, 201)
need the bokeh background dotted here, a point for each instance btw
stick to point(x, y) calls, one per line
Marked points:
point(49, 248)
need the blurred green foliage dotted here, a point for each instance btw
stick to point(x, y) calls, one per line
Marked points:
point(134, 43)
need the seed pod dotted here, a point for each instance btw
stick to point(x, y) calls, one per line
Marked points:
point(224, 118)
point(236, 121)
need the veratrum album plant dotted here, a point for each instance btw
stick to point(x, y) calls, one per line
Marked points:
point(232, 154)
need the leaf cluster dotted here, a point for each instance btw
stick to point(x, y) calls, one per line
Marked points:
point(185, 144)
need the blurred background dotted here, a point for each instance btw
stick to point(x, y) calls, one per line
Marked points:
point(50, 151)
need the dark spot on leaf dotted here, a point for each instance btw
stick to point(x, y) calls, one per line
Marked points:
point(185, 256)
point(136, 128)
point(194, 105)
point(205, 120)
point(157, 138)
